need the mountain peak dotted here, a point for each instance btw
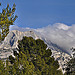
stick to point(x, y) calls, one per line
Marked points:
point(11, 41)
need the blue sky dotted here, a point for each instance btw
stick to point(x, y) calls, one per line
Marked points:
point(40, 13)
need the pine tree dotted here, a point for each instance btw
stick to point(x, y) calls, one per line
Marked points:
point(35, 59)
point(7, 18)
point(2, 68)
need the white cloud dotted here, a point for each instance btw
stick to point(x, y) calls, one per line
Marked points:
point(14, 27)
point(59, 34)
point(61, 26)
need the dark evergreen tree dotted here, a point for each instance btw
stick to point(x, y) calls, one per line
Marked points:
point(36, 52)
point(2, 69)
point(33, 59)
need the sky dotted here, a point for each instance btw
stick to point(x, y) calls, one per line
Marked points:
point(53, 19)
point(41, 13)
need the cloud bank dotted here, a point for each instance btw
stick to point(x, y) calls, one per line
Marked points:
point(58, 33)
point(14, 27)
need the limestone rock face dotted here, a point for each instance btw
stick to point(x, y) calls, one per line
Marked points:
point(11, 41)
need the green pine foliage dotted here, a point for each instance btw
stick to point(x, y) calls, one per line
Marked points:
point(33, 59)
point(2, 69)
point(7, 18)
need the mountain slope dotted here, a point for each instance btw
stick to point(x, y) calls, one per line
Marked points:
point(11, 41)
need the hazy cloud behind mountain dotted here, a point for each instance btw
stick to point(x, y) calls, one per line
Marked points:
point(58, 33)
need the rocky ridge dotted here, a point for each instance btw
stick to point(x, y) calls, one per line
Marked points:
point(11, 41)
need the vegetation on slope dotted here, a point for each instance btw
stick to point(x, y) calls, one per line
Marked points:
point(33, 59)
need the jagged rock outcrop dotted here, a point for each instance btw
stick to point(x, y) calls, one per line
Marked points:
point(11, 41)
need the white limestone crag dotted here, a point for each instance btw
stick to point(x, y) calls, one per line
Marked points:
point(11, 41)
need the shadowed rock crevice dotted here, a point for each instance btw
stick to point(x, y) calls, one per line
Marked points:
point(12, 40)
